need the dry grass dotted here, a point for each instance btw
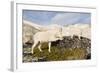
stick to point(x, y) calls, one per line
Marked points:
point(60, 54)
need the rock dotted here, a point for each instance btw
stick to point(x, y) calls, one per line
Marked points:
point(39, 59)
point(74, 42)
point(26, 50)
point(27, 58)
point(88, 56)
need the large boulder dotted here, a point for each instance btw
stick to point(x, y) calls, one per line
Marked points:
point(74, 42)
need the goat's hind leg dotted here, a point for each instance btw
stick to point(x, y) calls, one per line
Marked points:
point(35, 43)
point(39, 47)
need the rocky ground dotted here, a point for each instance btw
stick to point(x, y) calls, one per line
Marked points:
point(74, 48)
point(74, 42)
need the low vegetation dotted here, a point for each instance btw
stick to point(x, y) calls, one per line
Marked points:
point(60, 51)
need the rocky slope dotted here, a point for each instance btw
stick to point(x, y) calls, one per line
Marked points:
point(67, 49)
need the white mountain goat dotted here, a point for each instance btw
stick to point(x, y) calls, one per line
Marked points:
point(46, 36)
point(83, 30)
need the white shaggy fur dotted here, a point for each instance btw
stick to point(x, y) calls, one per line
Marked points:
point(46, 36)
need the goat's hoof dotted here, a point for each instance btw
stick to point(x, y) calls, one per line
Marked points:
point(32, 52)
point(41, 51)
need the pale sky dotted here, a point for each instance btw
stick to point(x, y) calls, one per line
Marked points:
point(51, 17)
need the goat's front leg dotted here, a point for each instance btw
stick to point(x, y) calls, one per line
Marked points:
point(49, 44)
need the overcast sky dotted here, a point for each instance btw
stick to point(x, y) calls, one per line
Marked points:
point(51, 17)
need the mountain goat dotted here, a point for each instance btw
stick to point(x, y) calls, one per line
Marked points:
point(77, 29)
point(46, 36)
